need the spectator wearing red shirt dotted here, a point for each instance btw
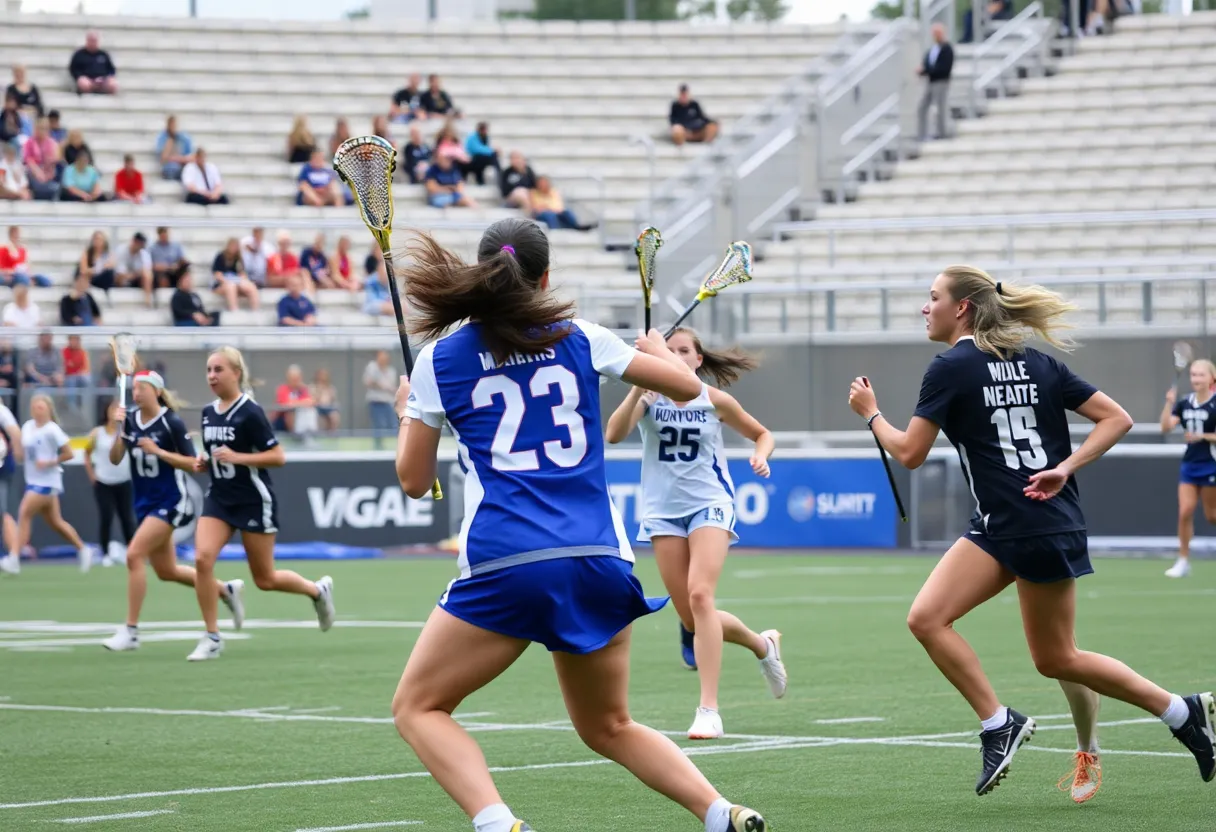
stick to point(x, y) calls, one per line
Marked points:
point(14, 262)
point(77, 372)
point(283, 263)
point(41, 156)
point(297, 411)
point(129, 182)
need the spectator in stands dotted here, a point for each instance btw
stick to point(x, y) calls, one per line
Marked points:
point(447, 143)
point(97, 264)
point(318, 184)
point(15, 126)
point(380, 379)
point(14, 182)
point(45, 365)
point(77, 307)
point(445, 185)
point(168, 259)
point(175, 149)
point(936, 68)
point(517, 182)
point(435, 102)
point(342, 266)
point(341, 134)
point(283, 263)
point(29, 99)
point(294, 308)
point(81, 182)
point(129, 182)
point(21, 312)
point(688, 121)
point(73, 146)
point(417, 155)
point(406, 104)
point(8, 375)
point(549, 207)
point(315, 265)
point(482, 154)
point(41, 157)
point(300, 141)
point(77, 372)
point(202, 182)
point(297, 412)
point(325, 395)
point(256, 252)
point(995, 10)
point(135, 267)
point(376, 298)
point(380, 128)
point(187, 307)
point(14, 262)
point(229, 274)
point(58, 132)
point(92, 68)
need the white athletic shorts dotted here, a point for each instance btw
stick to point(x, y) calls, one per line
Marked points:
point(720, 516)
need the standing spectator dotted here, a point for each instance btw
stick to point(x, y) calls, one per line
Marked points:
point(300, 141)
point(73, 146)
point(315, 264)
point(294, 308)
point(381, 379)
point(21, 312)
point(77, 307)
point(77, 374)
point(229, 274)
point(14, 183)
point(936, 68)
point(445, 185)
point(28, 97)
point(341, 134)
point(58, 132)
point(435, 102)
point(342, 266)
point(129, 182)
point(175, 149)
point(15, 126)
point(482, 154)
point(549, 207)
point(187, 307)
point(92, 68)
point(97, 265)
point(406, 102)
point(417, 156)
point(325, 395)
point(41, 157)
point(318, 183)
point(283, 263)
point(168, 259)
point(14, 262)
point(297, 413)
point(256, 252)
point(202, 182)
point(135, 267)
point(81, 181)
point(688, 121)
point(517, 182)
point(45, 365)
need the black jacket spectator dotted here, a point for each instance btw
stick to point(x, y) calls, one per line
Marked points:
point(941, 68)
point(407, 98)
point(690, 116)
point(434, 101)
point(512, 179)
point(187, 307)
point(79, 310)
point(91, 64)
point(31, 98)
point(415, 154)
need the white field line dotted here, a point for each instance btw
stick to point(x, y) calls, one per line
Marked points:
point(69, 628)
point(121, 816)
point(789, 571)
point(818, 599)
point(382, 825)
point(849, 720)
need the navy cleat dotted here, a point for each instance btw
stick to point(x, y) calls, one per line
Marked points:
point(998, 747)
point(1199, 733)
point(687, 652)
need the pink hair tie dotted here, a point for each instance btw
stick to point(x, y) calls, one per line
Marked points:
point(508, 249)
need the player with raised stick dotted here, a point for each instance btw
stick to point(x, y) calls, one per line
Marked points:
point(1196, 413)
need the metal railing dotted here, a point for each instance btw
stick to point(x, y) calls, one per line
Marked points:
point(1033, 30)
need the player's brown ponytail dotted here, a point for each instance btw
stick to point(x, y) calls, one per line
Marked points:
point(501, 291)
point(1004, 316)
point(723, 366)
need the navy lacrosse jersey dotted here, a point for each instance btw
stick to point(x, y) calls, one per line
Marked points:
point(243, 428)
point(1007, 420)
point(1198, 418)
point(530, 438)
point(160, 489)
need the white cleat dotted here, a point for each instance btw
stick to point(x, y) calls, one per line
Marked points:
point(1180, 569)
point(85, 556)
point(706, 725)
point(324, 603)
point(208, 648)
point(107, 560)
point(10, 565)
point(771, 665)
point(234, 600)
point(122, 641)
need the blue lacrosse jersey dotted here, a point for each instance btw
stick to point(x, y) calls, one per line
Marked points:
point(530, 437)
point(1196, 417)
point(1007, 420)
point(244, 428)
point(156, 483)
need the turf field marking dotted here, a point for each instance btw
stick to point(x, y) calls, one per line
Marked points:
point(819, 599)
point(382, 825)
point(849, 720)
point(121, 816)
point(789, 571)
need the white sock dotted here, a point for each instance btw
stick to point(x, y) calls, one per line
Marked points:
point(1093, 749)
point(1177, 713)
point(768, 648)
point(997, 720)
point(717, 819)
point(494, 818)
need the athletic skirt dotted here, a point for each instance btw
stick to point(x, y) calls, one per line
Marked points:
point(1042, 559)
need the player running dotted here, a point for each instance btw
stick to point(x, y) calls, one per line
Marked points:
point(160, 454)
point(543, 555)
point(240, 446)
point(1197, 479)
point(1003, 406)
point(688, 510)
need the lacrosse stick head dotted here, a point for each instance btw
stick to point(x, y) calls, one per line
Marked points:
point(367, 164)
point(122, 345)
point(735, 268)
point(647, 249)
point(1183, 355)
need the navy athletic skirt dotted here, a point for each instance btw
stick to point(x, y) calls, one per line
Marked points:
point(1043, 559)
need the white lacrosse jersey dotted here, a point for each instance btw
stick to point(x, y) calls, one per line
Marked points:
point(43, 443)
point(683, 459)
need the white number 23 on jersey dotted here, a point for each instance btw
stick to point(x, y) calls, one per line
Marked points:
point(565, 414)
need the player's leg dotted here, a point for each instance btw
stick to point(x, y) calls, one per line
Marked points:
point(1188, 499)
point(595, 687)
point(210, 536)
point(54, 519)
point(1049, 616)
point(259, 550)
point(148, 537)
point(1085, 779)
point(26, 510)
point(431, 687)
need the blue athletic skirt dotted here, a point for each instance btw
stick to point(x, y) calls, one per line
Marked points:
point(570, 605)
point(1043, 559)
point(1202, 474)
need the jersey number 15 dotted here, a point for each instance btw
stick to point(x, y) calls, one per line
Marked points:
point(1019, 423)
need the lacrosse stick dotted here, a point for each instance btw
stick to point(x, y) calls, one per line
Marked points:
point(367, 164)
point(886, 464)
point(122, 345)
point(735, 268)
point(1183, 356)
point(646, 249)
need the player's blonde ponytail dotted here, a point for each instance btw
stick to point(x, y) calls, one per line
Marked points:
point(1004, 316)
point(237, 362)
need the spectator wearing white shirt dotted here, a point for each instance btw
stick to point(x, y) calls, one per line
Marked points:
point(202, 181)
point(135, 266)
point(14, 184)
point(21, 312)
point(256, 252)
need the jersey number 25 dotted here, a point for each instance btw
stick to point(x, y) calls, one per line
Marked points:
point(1017, 423)
point(565, 414)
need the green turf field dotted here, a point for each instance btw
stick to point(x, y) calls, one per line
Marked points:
point(290, 731)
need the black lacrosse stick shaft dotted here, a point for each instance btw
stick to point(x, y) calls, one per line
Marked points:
point(399, 313)
point(886, 463)
point(683, 315)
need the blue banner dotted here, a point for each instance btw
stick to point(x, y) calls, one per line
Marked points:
point(836, 503)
